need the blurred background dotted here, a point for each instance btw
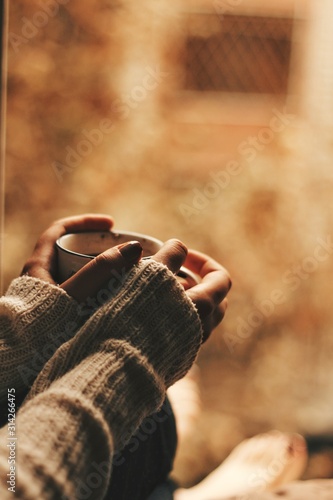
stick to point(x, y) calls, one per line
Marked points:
point(210, 121)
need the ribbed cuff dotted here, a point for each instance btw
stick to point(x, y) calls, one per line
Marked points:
point(36, 318)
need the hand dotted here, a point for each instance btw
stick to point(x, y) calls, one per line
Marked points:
point(95, 275)
point(209, 296)
point(43, 262)
point(101, 271)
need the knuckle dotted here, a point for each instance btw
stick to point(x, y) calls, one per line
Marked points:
point(103, 260)
point(106, 260)
point(58, 222)
point(177, 246)
point(206, 305)
point(226, 279)
point(224, 287)
point(29, 265)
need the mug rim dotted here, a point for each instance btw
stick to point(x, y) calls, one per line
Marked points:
point(140, 236)
point(132, 234)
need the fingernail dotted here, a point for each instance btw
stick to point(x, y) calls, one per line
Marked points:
point(131, 250)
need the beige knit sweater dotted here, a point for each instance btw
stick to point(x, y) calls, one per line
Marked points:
point(103, 379)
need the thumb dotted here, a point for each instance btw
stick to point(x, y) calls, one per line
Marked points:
point(89, 280)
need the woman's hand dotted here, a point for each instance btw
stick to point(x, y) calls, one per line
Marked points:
point(209, 296)
point(116, 261)
point(43, 262)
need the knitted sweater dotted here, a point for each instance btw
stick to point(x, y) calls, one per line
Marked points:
point(97, 382)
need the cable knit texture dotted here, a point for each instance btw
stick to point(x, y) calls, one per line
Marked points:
point(104, 381)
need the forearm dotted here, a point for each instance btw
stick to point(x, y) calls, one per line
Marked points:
point(97, 389)
point(60, 442)
point(67, 435)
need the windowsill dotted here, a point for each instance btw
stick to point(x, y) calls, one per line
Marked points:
point(221, 108)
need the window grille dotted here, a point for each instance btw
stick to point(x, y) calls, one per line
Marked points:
point(237, 53)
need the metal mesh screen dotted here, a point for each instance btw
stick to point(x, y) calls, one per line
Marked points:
point(238, 53)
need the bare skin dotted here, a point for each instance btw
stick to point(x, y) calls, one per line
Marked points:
point(261, 463)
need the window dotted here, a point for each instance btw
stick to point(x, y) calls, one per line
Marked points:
point(237, 53)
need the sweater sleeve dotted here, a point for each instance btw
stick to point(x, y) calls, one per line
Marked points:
point(35, 319)
point(98, 387)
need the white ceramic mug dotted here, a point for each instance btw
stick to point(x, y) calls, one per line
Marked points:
point(77, 249)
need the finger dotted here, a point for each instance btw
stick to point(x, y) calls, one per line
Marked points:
point(80, 223)
point(106, 271)
point(201, 263)
point(213, 320)
point(215, 282)
point(42, 264)
point(186, 281)
point(209, 296)
point(172, 254)
point(213, 288)
point(85, 222)
point(220, 312)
